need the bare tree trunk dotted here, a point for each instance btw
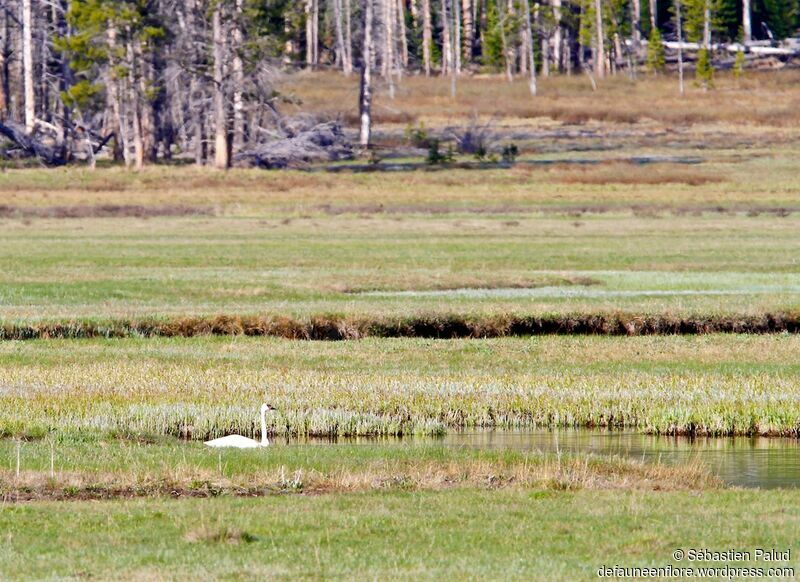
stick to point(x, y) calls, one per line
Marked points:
point(388, 44)
point(315, 30)
point(288, 47)
point(342, 57)
point(5, 48)
point(600, 55)
point(504, 41)
point(309, 11)
point(113, 94)
point(679, 28)
point(558, 35)
point(238, 79)
point(221, 160)
point(365, 96)
point(135, 105)
point(348, 39)
point(529, 32)
point(198, 122)
point(707, 25)
point(545, 43)
point(427, 36)
point(27, 65)
point(653, 14)
point(403, 33)
point(447, 49)
point(618, 52)
point(197, 108)
point(337, 26)
point(469, 29)
point(747, 26)
point(89, 148)
point(147, 110)
point(456, 38)
point(524, 39)
point(636, 17)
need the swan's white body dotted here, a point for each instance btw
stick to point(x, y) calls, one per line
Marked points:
point(238, 441)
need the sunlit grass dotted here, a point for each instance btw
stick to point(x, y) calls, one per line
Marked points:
point(206, 388)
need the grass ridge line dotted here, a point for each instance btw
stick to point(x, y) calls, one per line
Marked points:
point(336, 327)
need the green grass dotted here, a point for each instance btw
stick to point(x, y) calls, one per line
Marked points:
point(207, 387)
point(120, 267)
point(509, 534)
point(298, 244)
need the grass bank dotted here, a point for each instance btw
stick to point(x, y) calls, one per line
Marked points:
point(66, 469)
point(440, 326)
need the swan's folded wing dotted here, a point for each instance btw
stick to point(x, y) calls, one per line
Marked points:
point(234, 441)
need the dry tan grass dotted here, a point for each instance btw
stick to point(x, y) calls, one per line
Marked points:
point(631, 173)
point(532, 472)
point(762, 98)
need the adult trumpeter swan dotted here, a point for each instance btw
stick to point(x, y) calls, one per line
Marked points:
point(237, 441)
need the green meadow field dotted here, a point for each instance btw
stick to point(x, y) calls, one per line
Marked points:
point(142, 313)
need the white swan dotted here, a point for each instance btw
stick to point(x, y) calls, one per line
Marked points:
point(238, 441)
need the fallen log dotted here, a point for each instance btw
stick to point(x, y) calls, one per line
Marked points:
point(324, 142)
point(50, 155)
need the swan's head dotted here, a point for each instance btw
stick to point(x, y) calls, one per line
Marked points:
point(265, 407)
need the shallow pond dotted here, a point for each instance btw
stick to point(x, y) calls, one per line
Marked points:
point(764, 463)
point(747, 462)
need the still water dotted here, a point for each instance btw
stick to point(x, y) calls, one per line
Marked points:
point(746, 462)
point(765, 463)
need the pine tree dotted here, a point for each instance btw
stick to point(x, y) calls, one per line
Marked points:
point(704, 73)
point(493, 39)
point(781, 16)
point(656, 58)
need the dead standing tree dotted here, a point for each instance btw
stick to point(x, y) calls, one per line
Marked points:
point(365, 93)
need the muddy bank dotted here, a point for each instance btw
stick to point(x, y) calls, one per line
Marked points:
point(334, 327)
point(573, 210)
point(103, 211)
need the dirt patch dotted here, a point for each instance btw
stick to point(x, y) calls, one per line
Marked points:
point(103, 211)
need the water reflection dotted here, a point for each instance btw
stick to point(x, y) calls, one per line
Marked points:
point(765, 463)
point(747, 462)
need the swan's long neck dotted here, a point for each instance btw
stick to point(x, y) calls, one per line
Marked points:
point(264, 439)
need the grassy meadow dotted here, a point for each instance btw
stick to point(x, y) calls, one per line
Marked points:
point(469, 533)
point(201, 388)
point(633, 221)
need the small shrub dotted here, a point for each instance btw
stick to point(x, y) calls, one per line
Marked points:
point(510, 153)
point(436, 157)
point(475, 138)
point(738, 65)
point(418, 136)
